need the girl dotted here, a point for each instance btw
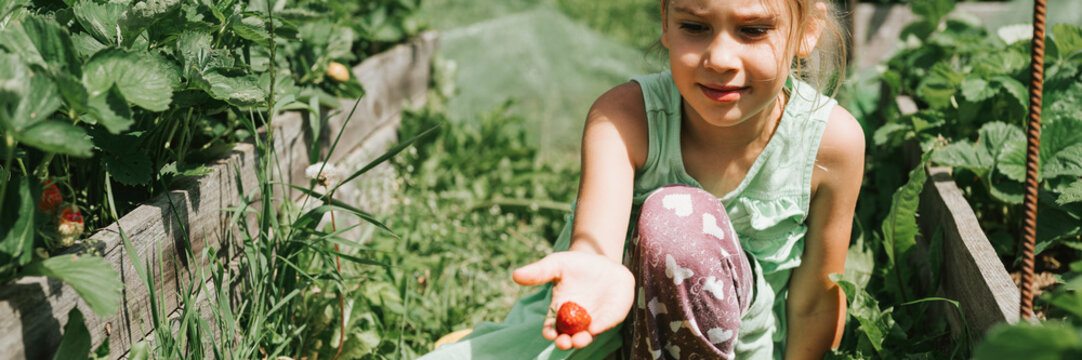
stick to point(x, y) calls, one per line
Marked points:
point(742, 179)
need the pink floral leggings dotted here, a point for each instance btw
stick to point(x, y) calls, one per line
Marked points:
point(693, 279)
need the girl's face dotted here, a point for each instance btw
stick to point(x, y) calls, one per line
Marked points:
point(728, 57)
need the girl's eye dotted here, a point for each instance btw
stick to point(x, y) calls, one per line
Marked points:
point(754, 31)
point(692, 28)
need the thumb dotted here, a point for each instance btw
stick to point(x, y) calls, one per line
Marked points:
point(542, 271)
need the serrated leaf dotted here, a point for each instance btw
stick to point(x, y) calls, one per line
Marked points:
point(1061, 147)
point(932, 9)
point(131, 168)
point(899, 229)
point(42, 100)
point(86, 45)
point(1071, 194)
point(42, 42)
point(251, 28)
point(889, 132)
point(875, 324)
point(964, 155)
point(100, 20)
point(999, 141)
point(976, 89)
point(144, 79)
point(72, 91)
point(58, 137)
point(111, 111)
point(239, 91)
point(1048, 340)
point(1068, 38)
point(14, 86)
point(939, 86)
point(76, 341)
point(90, 276)
point(144, 13)
point(17, 227)
point(1014, 87)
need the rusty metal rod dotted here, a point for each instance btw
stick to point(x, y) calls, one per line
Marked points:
point(1033, 146)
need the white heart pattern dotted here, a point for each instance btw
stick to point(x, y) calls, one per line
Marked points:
point(656, 354)
point(673, 350)
point(679, 203)
point(710, 227)
point(676, 325)
point(718, 335)
point(716, 287)
point(675, 272)
point(657, 307)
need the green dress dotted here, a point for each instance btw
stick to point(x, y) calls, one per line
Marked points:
point(767, 209)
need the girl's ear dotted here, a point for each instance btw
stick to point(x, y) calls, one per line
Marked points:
point(664, 25)
point(813, 32)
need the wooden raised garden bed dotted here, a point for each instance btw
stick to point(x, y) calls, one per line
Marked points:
point(971, 271)
point(33, 310)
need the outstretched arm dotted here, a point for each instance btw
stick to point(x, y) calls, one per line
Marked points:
point(816, 305)
point(592, 274)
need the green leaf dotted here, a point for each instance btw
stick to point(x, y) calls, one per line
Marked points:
point(251, 28)
point(144, 79)
point(932, 9)
point(998, 141)
point(1071, 194)
point(14, 87)
point(1061, 147)
point(1068, 38)
point(1049, 340)
point(112, 111)
point(17, 227)
point(964, 155)
point(239, 91)
point(85, 44)
point(100, 19)
point(58, 137)
point(145, 13)
point(890, 132)
point(76, 341)
point(130, 168)
point(939, 86)
point(90, 276)
point(900, 226)
point(39, 97)
point(41, 42)
point(1006, 62)
point(73, 92)
point(875, 324)
point(976, 89)
point(1014, 87)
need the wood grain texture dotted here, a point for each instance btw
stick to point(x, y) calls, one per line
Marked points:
point(33, 310)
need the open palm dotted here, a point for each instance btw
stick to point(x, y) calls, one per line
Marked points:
point(603, 287)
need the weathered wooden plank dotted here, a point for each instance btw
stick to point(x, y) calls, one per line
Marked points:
point(971, 272)
point(33, 310)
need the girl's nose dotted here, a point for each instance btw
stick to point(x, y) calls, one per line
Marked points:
point(720, 54)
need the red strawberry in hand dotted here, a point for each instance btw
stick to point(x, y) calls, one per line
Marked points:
point(571, 319)
point(50, 198)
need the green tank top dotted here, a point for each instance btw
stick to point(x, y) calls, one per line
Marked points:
point(768, 208)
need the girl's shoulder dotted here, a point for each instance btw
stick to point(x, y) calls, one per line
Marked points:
point(622, 109)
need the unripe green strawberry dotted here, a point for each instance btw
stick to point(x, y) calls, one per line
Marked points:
point(571, 319)
point(337, 71)
point(71, 225)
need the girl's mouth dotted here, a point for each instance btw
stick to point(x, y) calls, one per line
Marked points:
point(724, 94)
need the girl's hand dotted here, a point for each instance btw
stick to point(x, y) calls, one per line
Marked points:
point(606, 289)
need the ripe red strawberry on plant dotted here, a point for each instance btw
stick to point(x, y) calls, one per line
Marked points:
point(71, 225)
point(571, 319)
point(50, 198)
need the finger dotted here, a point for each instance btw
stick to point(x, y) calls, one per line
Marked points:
point(582, 339)
point(540, 272)
point(548, 331)
point(563, 342)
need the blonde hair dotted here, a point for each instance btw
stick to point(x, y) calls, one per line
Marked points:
point(824, 66)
